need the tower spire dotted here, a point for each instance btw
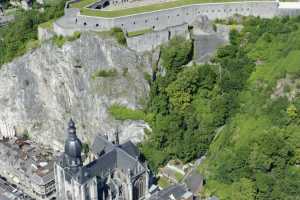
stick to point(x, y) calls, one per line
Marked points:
point(73, 147)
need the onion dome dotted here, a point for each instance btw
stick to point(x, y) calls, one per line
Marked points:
point(73, 147)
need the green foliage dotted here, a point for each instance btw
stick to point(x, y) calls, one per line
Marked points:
point(85, 148)
point(60, 40)
point(139, 32)
point(104, 73)
point(14, 37)
point(26, 135)
point(190, 103)
point(256, 156)
point(163, 182)
point(119, 35)
point(176, 53)
point(123, 113)
point(82, 5)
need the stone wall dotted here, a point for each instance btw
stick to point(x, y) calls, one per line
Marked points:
point(164, 22)
point(149, 41)
point(45, 34)
point(162, 19)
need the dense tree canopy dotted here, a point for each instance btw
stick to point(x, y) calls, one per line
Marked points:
point(15, 37)
point(259, 147)
point(256, 155)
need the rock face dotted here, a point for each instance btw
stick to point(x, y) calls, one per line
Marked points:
point(208, 38)
point(41, 90)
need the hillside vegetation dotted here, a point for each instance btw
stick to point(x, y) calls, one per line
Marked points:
point(257, 155)
point(19, 36)
point(243, 109)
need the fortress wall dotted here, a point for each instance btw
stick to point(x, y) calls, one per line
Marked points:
point(93, 23)
point(172, 17)
point(63, 31)
point(150, 41)
point(288, 12)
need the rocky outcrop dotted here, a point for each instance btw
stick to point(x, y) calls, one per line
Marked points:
point(208, 37)
point(41, 90)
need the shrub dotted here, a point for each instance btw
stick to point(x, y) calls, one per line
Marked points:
point(123, 113)
point(104, 73)
point(119, 35)
point(60, 40)
point(176, 53)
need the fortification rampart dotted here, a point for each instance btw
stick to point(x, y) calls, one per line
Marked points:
point(162, 19)
point(149, 41)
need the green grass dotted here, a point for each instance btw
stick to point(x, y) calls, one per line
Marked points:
point(131, 11)
point(104, 73)
point(139, 32)
point(33, 44)
point(60, 40)
point(163, 182)
point(47, 25)
point(123, 113)
point(178, 176)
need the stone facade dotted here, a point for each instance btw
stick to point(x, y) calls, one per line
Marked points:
point(115, 172)
point(162, 19)
point(162, 22)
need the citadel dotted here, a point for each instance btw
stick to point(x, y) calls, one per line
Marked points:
point(161, 24)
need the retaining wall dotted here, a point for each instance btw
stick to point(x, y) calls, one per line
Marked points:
point(149, 41)
point(162, 19)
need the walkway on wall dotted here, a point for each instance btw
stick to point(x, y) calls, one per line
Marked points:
point(289, 5)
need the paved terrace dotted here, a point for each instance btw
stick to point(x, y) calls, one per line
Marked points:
point(84, 10)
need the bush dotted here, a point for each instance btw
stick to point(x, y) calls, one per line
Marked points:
point(123, 113)
point(61, 40)
point(176, 53)
point(119, 35)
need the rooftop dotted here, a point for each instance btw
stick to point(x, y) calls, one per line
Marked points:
point(25, 158)
point(173, 192)
point(110, 156)
point(84, 10)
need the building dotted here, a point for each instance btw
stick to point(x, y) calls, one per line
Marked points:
point(115, 172)
point(173, 192)
point(28, 166)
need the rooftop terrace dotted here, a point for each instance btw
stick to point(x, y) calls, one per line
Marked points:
point(83, 4)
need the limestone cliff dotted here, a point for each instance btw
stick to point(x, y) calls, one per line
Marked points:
point(41, 90)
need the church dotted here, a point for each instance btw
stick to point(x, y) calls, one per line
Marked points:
point(116, 172)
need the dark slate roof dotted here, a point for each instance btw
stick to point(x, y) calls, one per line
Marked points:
point(194, 181)
point(176, 190)
point(101, 145)
point(112, 156)
point(131, 149)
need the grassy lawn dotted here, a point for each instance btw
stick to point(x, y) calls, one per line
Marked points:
point(140, 32)
point(130, 11)
point(48, 24)
point(123, 113)
point(178, 176)
point(163, 182)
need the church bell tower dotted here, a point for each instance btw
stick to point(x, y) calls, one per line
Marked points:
point(73, 148)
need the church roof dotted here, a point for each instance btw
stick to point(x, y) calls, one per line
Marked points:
point(123, 157)
point(131, 149)
point(101, 145)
